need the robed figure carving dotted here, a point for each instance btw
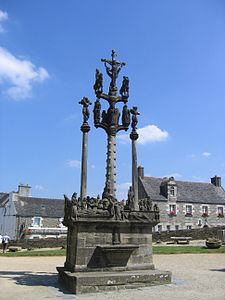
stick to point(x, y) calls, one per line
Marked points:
point(125, 116)
point(98, 86)
point(124, 90)
point(97, 111)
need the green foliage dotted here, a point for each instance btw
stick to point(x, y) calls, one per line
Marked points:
point(185, 249)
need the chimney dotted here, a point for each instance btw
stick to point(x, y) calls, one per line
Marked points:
point(24, 190)
point(216, 180)
point(141, 172)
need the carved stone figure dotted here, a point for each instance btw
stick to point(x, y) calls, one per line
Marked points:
point(125, 116)
point(104, 117)
point(67, 208)
point(131, 199)
point(114, 115)
point(148, 204)
point(85, 111)
point(134, 113)
point(97, 111)
point(141, 205)
point(74, 207)
point(98, 86)
point(124, 90)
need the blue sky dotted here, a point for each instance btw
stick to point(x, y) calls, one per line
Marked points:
point(49, 50)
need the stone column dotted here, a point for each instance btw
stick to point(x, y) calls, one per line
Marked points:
point(110, 182)
point(83, 184)
point(134, 137)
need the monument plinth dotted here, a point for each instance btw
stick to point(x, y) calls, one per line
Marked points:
point(109, 243)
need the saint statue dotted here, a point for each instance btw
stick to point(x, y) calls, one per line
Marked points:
point(134, 113)
point(98, 86)
point(85, 111)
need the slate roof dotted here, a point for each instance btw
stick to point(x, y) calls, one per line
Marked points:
point(3, 198)
point(39, 207)
point(188, 192)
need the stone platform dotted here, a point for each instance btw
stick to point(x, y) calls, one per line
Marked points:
point(92, 282)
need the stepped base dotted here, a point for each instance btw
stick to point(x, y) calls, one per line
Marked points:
point(93, 282)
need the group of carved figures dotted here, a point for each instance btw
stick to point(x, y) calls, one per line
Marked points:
point(111, 116)
point(98, 86)
point(116, 209)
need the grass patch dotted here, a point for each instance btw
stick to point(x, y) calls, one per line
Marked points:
point(185, 249)
point(156, 250)
point(53, 252)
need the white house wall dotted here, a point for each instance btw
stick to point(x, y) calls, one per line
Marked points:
point(8, 218)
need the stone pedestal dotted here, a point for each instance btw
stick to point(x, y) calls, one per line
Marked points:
point(108, 254)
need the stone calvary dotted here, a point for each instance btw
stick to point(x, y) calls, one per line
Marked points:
point(109, 242)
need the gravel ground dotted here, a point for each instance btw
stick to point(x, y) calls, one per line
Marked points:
point(195, 276)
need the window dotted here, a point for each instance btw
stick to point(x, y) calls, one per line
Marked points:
point(172, 210)
point(168, 227)
point(189, 227)
point(172, 191)
point(159, 228)
point(205, 211)
point(36, 221)
point(188, 211)
point(176, 227)
point(220, 212)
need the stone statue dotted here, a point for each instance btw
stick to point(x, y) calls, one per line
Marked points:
point(134, 113)
point(97, 111)
point(67, 208)
point(148, 204)
point(124, 90)
point(131, 199)
point(104, 117)
point(98, 86)
point(74, 207)
point(114, 115)
point(85, 111)
point(125, 116)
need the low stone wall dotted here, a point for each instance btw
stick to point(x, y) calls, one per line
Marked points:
point(195, 234)
point(40, 243)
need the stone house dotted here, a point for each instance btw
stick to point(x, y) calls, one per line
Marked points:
point(184, 204)
point(24, 216)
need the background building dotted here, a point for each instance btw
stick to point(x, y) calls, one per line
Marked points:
point(24, 216)
point(184, 204)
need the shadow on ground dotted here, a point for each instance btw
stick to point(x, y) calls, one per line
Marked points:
point(218, 270)
point(34, 279)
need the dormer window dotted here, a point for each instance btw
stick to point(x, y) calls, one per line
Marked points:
point(172, 191)
point(168, 188)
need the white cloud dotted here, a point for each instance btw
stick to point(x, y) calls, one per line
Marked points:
point(73, 163)
point(148, 134)
point(122, 190)
point(206, 154)
point(20, 74)
point(175, 175)
point(39, 187)
point(3, 17)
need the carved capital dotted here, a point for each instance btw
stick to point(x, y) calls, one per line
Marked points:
point(85, 127)
point(134, 135)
